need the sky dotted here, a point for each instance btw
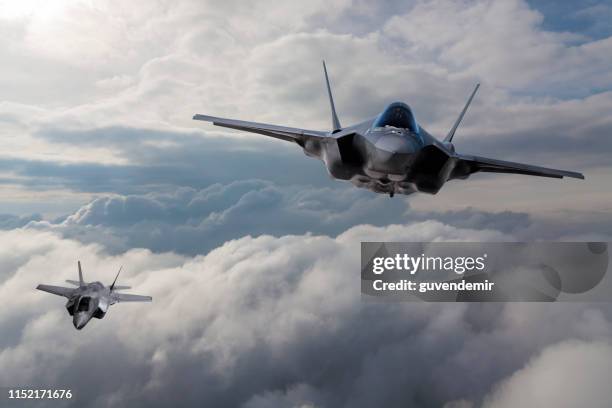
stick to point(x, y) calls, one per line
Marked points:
point(249, 249)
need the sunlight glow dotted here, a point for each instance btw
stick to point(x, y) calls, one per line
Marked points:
point(18, 9)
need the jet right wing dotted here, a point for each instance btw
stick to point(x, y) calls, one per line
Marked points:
point(124, 297)
point(289, 134)
point(57, 290)
point(484, 164)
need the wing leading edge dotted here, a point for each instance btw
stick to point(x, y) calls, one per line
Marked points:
point(124, 297)
point(57, 290)
point(484, 164)
point(289, 134)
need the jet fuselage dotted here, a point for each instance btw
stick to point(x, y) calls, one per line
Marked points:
point(87, 302)
point(384, 158)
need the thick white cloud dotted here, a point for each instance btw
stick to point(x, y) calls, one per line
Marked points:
point(163, 61)
point(277, 321)
point(568, 374)
point(266, 322)
point(503, 43)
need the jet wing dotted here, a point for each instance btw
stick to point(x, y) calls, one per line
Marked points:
point(484, 164)
point(280, 132)
point(56, 290)
point(124, 297)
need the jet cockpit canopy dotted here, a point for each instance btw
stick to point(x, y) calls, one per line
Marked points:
point(397, 115)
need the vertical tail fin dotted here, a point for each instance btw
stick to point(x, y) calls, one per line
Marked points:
point(449, 137)
point(335, 122)
point(112, 286)
point(81, 281)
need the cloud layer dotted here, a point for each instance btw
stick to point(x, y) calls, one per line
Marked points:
point(249, 250)
point(118, 85)
point(191, 222)
point(279, 322)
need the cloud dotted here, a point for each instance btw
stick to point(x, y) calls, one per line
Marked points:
point(194, 221)
point(300, 395)
point(503, 42)
point(549, 379)
point(247, 247)
point(264, 321)
point(8, 221)
point(128, 129)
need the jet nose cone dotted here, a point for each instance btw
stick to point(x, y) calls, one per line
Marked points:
point(396, 143)
point(392, 155)
point(79, 321)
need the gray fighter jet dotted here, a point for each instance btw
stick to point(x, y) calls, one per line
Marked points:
point(391, 153)
point(92, 299)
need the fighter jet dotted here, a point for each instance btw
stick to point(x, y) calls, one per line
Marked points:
point(92, 299)
point(391, 153)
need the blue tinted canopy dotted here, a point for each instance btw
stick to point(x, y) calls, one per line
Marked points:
point(398, 115)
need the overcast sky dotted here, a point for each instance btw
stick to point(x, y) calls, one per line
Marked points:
point(248, 248)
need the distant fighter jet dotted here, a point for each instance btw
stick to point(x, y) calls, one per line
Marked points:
point(91, 299)
point(390, 153)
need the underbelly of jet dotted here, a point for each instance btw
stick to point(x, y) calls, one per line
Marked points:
point(384, 185)
point(386, 172)
point(426, 174)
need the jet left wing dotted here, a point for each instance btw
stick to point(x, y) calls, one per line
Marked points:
point(57, 290)
point(124, 297)
point(289, 134)
point(484, 164)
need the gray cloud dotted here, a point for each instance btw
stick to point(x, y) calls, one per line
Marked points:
point(102, 111)
point(155, 161)
point(9, 221)
point(195, 221)
point(544, 93)
point(275, 322)
point(561, 389)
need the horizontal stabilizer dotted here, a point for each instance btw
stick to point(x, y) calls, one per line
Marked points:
point(73, 282)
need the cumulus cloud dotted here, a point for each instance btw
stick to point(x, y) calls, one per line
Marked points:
point(469, 43)
point(249, 250)
point(9, 221)
point(194, 221)
point(219, 66)
point(550, 380)
point(268, 322)
point(140, 79)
